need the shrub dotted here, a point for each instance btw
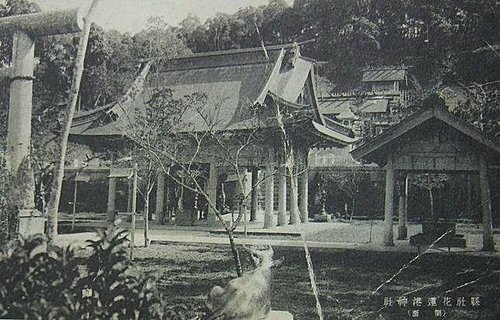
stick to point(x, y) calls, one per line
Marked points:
point(40, 282)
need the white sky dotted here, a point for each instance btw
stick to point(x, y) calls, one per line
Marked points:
point(132, 15)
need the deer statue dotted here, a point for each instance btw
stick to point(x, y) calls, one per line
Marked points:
point(249, 296)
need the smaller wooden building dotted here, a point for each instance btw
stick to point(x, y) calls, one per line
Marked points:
point(432, 140)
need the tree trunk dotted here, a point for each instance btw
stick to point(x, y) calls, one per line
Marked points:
point(146, 219)
point(431, 198)
point(55, 196)
point(236, 254)
point(353, 201)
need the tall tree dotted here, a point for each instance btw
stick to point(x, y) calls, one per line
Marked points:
point(53, 205)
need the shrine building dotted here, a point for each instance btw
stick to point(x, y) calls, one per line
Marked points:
point(274, 84)
point(431, 141)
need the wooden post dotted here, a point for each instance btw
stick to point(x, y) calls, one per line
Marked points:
point(134, 209)
point(403, 210)
point(244, 191)
point(282, 197)
point(111, 199)
point(212, 193)
point(254, 194)
point(389, 202)
point(129, 196)
point(488, 240)
point(304, 189)
point(294, 195)
point(269, 198)
point(75, 193)
point(160, 197)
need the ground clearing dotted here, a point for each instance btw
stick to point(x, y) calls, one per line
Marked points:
point(346, 279)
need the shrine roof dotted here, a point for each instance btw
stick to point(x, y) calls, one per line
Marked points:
point(377, 148)
point(339, 106)
point(385, 74)
point(231, 82)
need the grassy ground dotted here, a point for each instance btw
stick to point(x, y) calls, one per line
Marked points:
point(346, 280)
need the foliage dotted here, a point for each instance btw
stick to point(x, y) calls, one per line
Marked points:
point(430, 182)
point(349, 35)
point(353, 191)
point(482, 109)
point(40, 282)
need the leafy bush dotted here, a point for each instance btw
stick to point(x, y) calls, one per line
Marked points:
point(41, 282)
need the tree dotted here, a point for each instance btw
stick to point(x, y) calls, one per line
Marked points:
point(157, 41)
point(161, 133)
point(430, 182)
point(350, 35)
point(53, 205)
point(482, 108)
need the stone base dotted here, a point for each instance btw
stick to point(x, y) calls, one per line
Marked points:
point(402, 233)
point(279, 315)
point(322, 217)
point(31, 222)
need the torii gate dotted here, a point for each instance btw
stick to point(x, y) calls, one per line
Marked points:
point(25, 30)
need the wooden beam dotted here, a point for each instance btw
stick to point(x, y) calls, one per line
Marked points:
point(160, 197)
point(44, 24)
point(403, 210)
point(134, 210)
point(488, 240)
point(111, 199)
point(254, 194)
point(269, 195)
point(212, 193)
point(304, 186)
point(282, 197)
point(389, 203)
point(75, 197)
point(294, 196)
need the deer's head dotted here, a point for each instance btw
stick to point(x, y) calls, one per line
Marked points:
point(263, 256)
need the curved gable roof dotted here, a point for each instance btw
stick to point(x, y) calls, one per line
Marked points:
point(375, 149)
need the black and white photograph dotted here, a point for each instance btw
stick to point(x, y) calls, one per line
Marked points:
point(250, 159)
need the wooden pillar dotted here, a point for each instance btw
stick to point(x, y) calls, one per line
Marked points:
point(282, 197)
point(212, 193)
point(134, 209)
point(488, 241)
point(389, 203)
point(294, 191)
point(269, 196)
point(403, 210)
point(160, 197)
point(254, 194)
point(111, 199)
point(129, 196)
point(304, 188)
point(294, 197)
point(75, 198)
point(18, 164)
